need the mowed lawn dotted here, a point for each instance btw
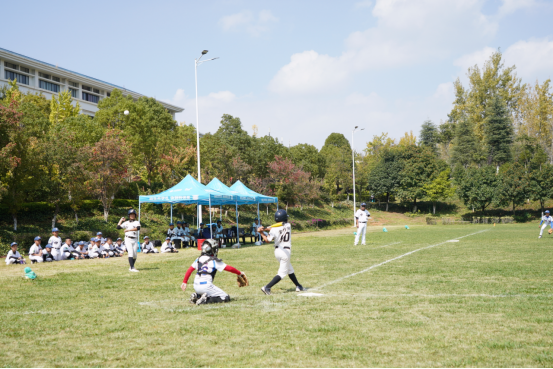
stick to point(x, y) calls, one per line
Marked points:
point(486, 300)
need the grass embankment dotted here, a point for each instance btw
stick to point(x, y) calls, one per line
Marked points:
point(483, 301)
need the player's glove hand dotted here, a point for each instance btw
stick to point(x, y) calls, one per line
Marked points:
point(242, 280)
point(550, 231)
point(183, 287)
point(260, 229)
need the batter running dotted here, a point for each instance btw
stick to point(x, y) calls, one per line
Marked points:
point(282, 235)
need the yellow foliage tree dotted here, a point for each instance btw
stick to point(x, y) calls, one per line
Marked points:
point(62, 108)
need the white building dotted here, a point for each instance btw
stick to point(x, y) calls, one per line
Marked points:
point(36, 76)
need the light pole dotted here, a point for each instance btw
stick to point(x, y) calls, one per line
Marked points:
point(196, 63)
point(353, 160)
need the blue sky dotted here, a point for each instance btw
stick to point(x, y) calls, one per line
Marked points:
point(299, 69)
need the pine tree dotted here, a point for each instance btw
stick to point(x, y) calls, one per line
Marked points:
point(465, 145)
point(498, 132)
point(429, 136)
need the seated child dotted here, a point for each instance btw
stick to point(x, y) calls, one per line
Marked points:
point(47, 255)
point(168, 246)
point(14, 257)
point(148, 246)
point(35, 253)
point(66, 250)
point(80, 252)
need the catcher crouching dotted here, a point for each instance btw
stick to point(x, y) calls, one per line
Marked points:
point(207, 266)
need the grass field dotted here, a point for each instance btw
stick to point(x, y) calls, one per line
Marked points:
point(486, 300)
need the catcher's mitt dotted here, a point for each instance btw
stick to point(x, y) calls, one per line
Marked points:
point(550, 231)
point(242, 280)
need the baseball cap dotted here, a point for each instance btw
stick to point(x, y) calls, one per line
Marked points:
point(119, 239)
point(13, 244)
point(55, 230)
point(167, 238)
point(146, 237)
point(48, 246)
point(547, 211)
point(99, 234)
point(363, 204)
point(172, 224)
point(37, 238)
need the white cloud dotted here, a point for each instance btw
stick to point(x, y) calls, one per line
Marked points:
point(478, 57)
point(407, 32)
point(511, 6)
point(247, 21)
point(363, 4)
point(533, 59)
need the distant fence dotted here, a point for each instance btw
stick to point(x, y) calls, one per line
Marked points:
point(473, 220)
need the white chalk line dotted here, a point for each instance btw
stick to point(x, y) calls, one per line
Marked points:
point(390, 260)
point(390, 244)
point(439, 295)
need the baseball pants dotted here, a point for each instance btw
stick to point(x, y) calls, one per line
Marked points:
point(542, 228)
point(283, 256)
point(132, 247)
point(361, 229)
point(56, 253)
point(38, 259)
point(12, 261)
point(202, 287)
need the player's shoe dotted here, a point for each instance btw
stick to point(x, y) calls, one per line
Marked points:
point(300, 288)
point(539, 236)
point(266, 290)
point(193, 298)
point(202, 300)
point(133, 270)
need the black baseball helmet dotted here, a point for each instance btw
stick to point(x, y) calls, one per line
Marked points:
point(132, 211)
point(281, 216)
point(210, 247)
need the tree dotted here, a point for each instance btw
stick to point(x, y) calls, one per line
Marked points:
point(291, 184)
point(477, 187)
point(429, 136)
point(513, 187)
point(338, 161)
point(385, 177)
point(465, 146)
point(539, 184)
point(439, 189)
point(420, 167)
point(408, 139)
point(232, 134)
point(262, 152)
point(107, 167)
point(446, 136)
point(61, 108)
point(308, 158)
point(499, 132)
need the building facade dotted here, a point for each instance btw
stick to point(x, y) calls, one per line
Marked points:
point(36, 76)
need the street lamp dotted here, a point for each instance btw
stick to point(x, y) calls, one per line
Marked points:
point(197, 62)
point(353, 160)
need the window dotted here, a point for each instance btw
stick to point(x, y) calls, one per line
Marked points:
point(21, 78)
point(74, 93)
point(86, 88)
point(108, 94)
point(90, 97)
point(96, 91)
point(10, 65)
point(57, 79)
point(48, 86)
point(43, 75)
point(74, 84)
point(23, 69)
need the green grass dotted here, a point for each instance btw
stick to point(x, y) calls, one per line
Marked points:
point(484, 301)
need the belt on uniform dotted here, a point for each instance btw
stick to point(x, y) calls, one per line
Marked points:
point(130, 237)
point(286, 247)
point(203, 282)
point(362, 222)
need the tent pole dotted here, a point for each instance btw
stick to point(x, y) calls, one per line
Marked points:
point(277, 205)
point(221, 213)
point(139, 203)
point(258, 217)
point(171, 213)
point(210, 229)
point(237, 229)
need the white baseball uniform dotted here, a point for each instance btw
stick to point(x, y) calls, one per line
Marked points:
point(131, 240)
point(66, 251)
point(9, 259)
point(167, 247)
point(149, 247)
point(283, 248)
point(188, 236)
point(94, 252)
point(173, 233)
point(362, 217)
point(56, 245)
point(546, 220)
point(35, 249)
point(203, 281)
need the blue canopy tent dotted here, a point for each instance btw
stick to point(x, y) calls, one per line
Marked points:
point(241, 189)
point(238, 199)
point(188, 191)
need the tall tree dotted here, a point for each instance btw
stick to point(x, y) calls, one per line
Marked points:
point(465, 146)
point(539, 184)
point(439, 189)
point(338, 161)
point(513, 188)
point(477, 187)
point(499, 132)
point(429, 136)
point(385, 178)
point(61, 107)
point(308, 158)
point(107, 167)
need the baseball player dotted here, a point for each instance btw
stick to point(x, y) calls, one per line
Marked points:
point(80, 251)
point(47, 254)
point(219, 234)
point(282, 235)
point(120, 246)
point(94, 249)
point(255, 226)
point(546, 220)
point(168, 246)
point(35, 252)
point(172, 232)
point(188, 238)
point(207, 266)
point(66, 250)
point(131, 227)
point(361, 217)
point(101, 238)
point(55, 241)
point(148, 246)
point(14, 257)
